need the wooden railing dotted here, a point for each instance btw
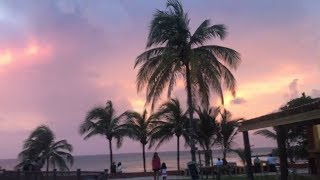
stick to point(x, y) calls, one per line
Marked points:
point(54, 175)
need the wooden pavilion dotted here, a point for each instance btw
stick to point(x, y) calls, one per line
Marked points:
point(307, 115)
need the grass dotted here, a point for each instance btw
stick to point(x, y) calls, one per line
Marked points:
point(270, 177)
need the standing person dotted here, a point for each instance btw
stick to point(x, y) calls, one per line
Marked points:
point(164, 171)
point(271, 163)
point(219, 162)
point(156, 163)
point(113, 168)
point(119, 168)
point(257, 164)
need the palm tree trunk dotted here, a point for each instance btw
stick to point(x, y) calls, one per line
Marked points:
point(144, 157)
point(110, 152)
point(47, 164)
point(178, 153)
point(190, 110)
point(224, 153)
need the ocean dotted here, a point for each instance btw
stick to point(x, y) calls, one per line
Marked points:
point(132, 162)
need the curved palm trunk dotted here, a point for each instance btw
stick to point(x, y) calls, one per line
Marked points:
point(178, 153)
point(190, 109)
point(224, 153)
point(110, 152)
point(144, 157)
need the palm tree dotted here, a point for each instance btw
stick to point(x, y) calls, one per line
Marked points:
point(174, 52)
point(208, 128)
point(228, 131)
point(138, 128)
point(171, 121)
point(291, 140)
point(41, 145)
point(296, 140)
point(103, 121)
point(241, 154)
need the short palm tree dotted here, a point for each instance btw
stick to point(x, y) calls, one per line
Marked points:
point(241, 154)
point(291, 140)
point(138, 128)
point(174, 52)
point(103, 121)
point(208, 128)
point(41, 145)
point(171, 121)
point(228, 131)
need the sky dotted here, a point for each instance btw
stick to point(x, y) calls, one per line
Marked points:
point(60, 58)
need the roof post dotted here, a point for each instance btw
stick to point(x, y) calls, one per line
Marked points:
point(281, 140)
point(247, 150)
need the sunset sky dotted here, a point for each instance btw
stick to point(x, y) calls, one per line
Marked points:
point(60, 58)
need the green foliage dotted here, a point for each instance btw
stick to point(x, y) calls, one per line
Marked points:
point(172, 50)
point(298, 102)
point(103, 121)
point(241, 154)
point(266, 133)
point(228, 131)
point(207, 127)
point(170, 120)
point(296, 142)
point(41, 145)
point(137, 127)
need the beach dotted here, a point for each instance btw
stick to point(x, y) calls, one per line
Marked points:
point(132, 162)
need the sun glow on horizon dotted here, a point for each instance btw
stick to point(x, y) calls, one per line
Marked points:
point(5, 58)
point(137, 105)
point(32, 50)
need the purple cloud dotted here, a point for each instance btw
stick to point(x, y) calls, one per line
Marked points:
point(238, 101)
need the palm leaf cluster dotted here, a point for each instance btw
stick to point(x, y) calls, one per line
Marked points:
point(228, 131)
point(41, 145)
point(174, 52)
point(138, 127)
point(103, 121)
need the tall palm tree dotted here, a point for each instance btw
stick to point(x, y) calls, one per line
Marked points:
point(228, 131)
point(103, 121)
point(41, 145)
point(174, 52)
point(171, 121)
point(138, 128)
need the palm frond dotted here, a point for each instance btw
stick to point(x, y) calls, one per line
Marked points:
point(229, 56)
point(266, 133)
point(205, 32)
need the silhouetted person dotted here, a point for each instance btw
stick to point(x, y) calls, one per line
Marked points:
point(271, 163)
point(113, 168)
point(164, 171)
point(219, 162)
point(156, 163)
point(119, 168)
point(257, 164)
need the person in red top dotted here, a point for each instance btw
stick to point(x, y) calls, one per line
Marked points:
point(156, 165)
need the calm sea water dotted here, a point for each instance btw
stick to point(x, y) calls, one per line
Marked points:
point(132, 162)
